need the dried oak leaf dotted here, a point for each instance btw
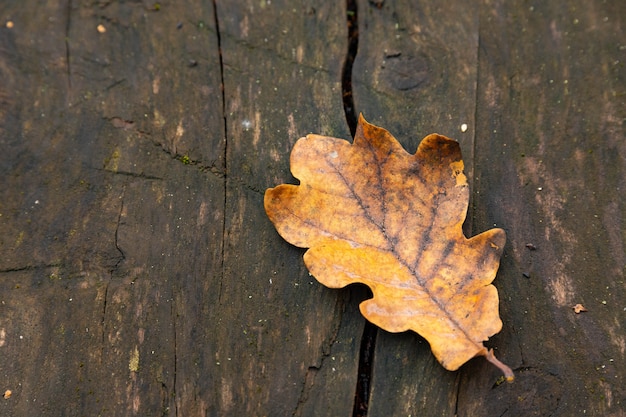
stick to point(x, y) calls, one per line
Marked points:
point(370, 212)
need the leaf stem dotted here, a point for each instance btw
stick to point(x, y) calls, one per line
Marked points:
point(508, 372)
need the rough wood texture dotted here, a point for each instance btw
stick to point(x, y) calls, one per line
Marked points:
point(139, 274)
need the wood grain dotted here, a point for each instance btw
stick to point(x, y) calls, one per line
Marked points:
point(139, 274)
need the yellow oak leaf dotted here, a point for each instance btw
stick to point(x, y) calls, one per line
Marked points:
point(372, 213)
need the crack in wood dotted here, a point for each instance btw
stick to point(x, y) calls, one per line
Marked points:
point(368, 338)
point(67, 44)
point(211, 167)
point(364, 377)
point(224, 172)
point(457, 396)
point(113, 269)
point(174, 388)
point(139, 175)
point(468, 225)
point(346, 76)
point(315, 368)
point(103, 320)
point(117, 230)
point(111, 273)
point(30, 267)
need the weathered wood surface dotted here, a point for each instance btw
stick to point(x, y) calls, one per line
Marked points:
point(139, 274)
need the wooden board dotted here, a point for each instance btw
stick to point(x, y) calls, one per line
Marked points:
point(551, 169)
point(139, 274)
point(286, 345)
point(539, 89)
point(415, 75)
